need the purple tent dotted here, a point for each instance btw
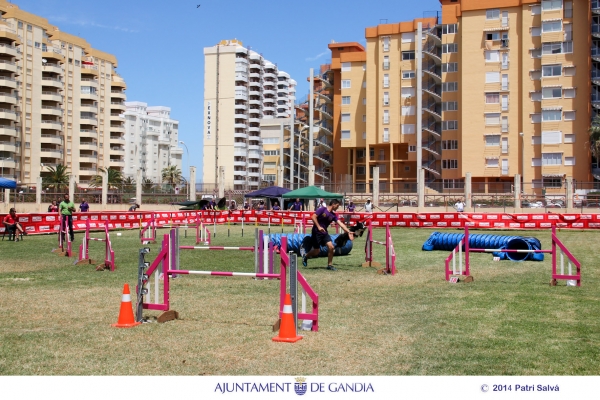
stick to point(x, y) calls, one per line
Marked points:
point(271, 191)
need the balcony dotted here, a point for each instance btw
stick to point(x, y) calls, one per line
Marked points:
point(86, 171)
point(88, 108)
point(114, 129)
point(253, 147)
point(254, 92)
point(53, 82)
point(51, 153)
point(8, 114)
point(239, 135)
point(254, 174)
point(89, 69)
point(116, 117)
point(240, 145)
point(51, 139)
point(8, 66)
point(269, 75)
point(239, 163)
point(8, 130)
point(240, 116)
point(7, 162)
point(91, 96)
point(88, 158)
point(90, 82)
point(118, 82)
point(55, 68)
point(117, 94)
point(268, 92)
point(239, 181)
point(241, 94)
point(114, 162)
point(9, 82)
point(254, 85)
point(8, 98)
point(117, 105)
point(240, 126)
point(51, 124)
point(268, 108)
point(254, 129)
point(88, 146)
point(87, 133)
point(50, 110)
point(241, 106)
point(117, 139)
point(269, 100)
point(88, 121)
point(121, 150)
point(239, 174)
point(8, 146)
point(9, 50)
point(52, 96)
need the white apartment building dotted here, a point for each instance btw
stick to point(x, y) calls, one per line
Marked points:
point(60, 101)
point(241, 88)
point(151, 140)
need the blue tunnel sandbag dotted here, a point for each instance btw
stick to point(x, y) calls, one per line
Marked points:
point(297, 240)
point(449, 241)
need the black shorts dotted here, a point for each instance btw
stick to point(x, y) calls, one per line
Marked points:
point(319, 240)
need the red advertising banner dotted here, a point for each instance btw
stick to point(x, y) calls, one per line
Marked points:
point(49, 222)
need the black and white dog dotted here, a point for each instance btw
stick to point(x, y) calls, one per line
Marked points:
point(357, 229)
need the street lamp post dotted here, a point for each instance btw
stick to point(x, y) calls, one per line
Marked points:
point(188, 157)
point(522, 161)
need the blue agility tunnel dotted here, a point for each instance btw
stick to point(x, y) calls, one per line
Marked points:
point(448, 241)
point(295, 241)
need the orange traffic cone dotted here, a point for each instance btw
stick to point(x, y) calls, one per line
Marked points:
point(287, 330)
point(126, 319)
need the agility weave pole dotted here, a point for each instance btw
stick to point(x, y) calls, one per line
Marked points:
point(64, 245)
point(84, 249)
point(390, 253)
point(558, 251)
point(164, 267)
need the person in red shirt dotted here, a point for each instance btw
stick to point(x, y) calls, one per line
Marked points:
point(11, 224)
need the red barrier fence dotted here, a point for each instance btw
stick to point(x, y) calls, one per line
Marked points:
point(50, 222)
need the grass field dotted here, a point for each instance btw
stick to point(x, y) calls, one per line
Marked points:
point(56, 316)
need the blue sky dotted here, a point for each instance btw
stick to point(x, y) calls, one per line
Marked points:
point(159, 44)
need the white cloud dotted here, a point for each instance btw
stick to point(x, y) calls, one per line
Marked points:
point(317, 56)
point(85, 22)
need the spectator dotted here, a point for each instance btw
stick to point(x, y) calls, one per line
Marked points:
point(459, 206)
point(322, 203)
point(66, 209)
point(212, 204)
point(297, 206)
point(232, 205)
point(134, 207)
point(84, 206)
point(53, 207)
point(261, 205)
point(11, 225)
point(276, 206)
point(351, 207)
point(246, 206)
point(369, 206)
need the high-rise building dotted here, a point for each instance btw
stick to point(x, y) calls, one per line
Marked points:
point(496, 88)
point(61, 101)
point(241, 88)
point(151, 141)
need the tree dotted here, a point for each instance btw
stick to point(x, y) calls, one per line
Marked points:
point(58, 177)
point(172, 175)
point(594, 132)
point(147, 184)
point(129, 181)
point(114, 178)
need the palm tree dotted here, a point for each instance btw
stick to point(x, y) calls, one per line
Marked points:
point(129, 181)
point(147, 184)
point(58, 177)
point(172, 175)
point(594, 132)
point(114, 178)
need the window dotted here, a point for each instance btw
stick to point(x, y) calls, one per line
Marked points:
point(551, 70)
point(551, 158)
point(569, 138)
point(569, 115)
point(569, 93)
point(364, 118)
point(364, 136)
point(345, 83)
point(408, 110)
point(386, 62)
point(492, 36)
point(450, 48)
point(491, 163)
point(492, 140)
point(551, 93)
point(345, 100)
point(408, 55)
point(346, 66)
point(536, 118)
point(535, 75)
point(386, 98)
point(536, 31)
point(450, 106)
point(345, 117)
point(20, 24)
point(412, 149)
point(570, 70)
point(551, 26)
point(364, 101)
point(361, 170)
point(449, 125)
point(553, 182)
point(386, 116)
point(449, 29)
point(536, 9)
point(408, 37)
point(450, 145)
point(569, 160)
point(492, 77)
point(449, 164)
point(492, 14)
point(449, 86)
point(551, 137)
point(408, 74)
point(535, 53)
point(551, 115)
point(408, 129)
point(492, 119)
point(364, 85)
point(386, 80)
point(29, 28)
point(492, 56)
point(548, 5)
point(386, 136)
point(492, 98)
point(557, 48)
point(450, 67)
point(569, 11)
point(371, 152)
point(361, 153)
point(386, 43)
point(345, 134)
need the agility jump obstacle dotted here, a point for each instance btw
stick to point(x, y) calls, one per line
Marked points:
point(84, 249)
point(165, 266)
point(148, 232)
point(64, 244)
point(558, 251)
point(390, 254)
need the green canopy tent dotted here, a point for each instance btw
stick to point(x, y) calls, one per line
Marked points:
point(311, 192)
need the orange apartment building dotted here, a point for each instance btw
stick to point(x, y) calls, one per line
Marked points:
point(497, 88)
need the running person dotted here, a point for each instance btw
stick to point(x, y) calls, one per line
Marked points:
point(319, 237)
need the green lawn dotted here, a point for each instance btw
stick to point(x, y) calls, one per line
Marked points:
point(509, 321)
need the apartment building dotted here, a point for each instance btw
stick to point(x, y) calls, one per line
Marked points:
point(61, 101)
point(495, 88)
point(241, 88)
point(151, 141)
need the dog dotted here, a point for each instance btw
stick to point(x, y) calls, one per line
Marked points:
point(357, 229)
